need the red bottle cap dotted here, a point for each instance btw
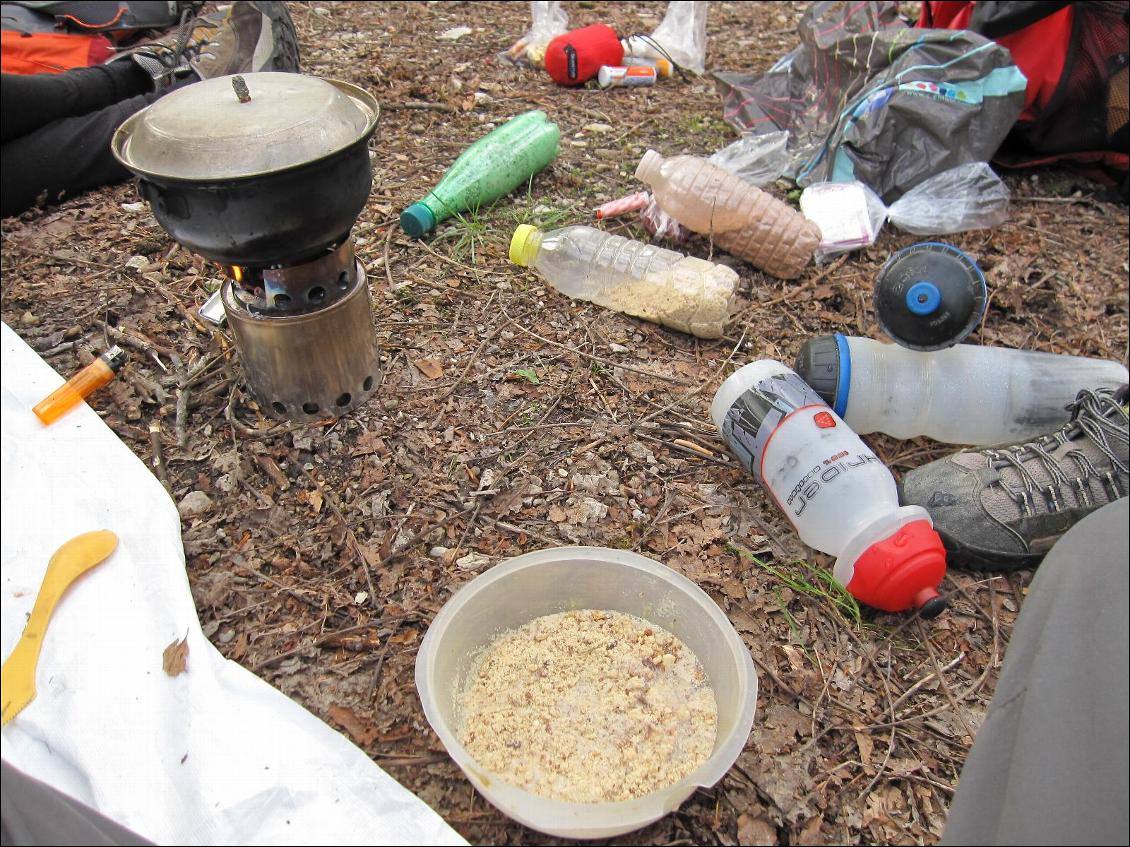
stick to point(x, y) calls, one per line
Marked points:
point(902, 571)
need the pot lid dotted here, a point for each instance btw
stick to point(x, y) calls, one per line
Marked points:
point(241, 126)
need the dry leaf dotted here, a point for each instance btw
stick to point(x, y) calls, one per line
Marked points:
point(431, 368)
point(175, 658)
point(314, 498)
point(361, 731)
point(405, 636)
point(756, 831)
point(866, 745)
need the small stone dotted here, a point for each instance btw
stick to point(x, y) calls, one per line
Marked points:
point(437, 552)
point(472, 562)
point(455, 33)
point(194, 503)
point(28, 319)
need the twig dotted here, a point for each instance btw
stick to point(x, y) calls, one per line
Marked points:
point(422, 105)
point(291, 591)
point(57, 349)
point(937, 672)
point(602, 360)
point(938, 669)
point(357, 551)
point(388, 243)
point(158, 455)
point(694, 392)
point(182, 417)
point(632, 129)
point(519, 530)
point(185, 313)
point(380, 665)
point(474, 356)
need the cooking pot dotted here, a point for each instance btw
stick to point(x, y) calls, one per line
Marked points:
point(260, 169)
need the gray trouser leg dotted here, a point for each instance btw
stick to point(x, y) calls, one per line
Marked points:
point(1049, 765)
point(34, 813)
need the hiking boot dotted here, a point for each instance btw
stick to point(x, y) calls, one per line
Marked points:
point(241, 38)
point(1003, 508)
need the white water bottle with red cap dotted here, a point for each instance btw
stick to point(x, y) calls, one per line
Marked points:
point(837, 494)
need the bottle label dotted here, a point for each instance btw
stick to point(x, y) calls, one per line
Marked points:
point(759, 411)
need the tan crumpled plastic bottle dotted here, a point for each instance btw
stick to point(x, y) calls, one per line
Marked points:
point(739, 217)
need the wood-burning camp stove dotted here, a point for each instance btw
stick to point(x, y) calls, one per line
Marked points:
point(266, 174)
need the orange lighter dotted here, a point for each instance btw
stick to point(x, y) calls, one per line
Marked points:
point(89, 379)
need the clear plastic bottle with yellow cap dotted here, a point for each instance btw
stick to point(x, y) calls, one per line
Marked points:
point(682, 292)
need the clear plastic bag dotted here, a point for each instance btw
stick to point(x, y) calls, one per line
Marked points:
point(850, 215)
point(660, 224)
point(969, 196)
point(758, 159)
point(549, 20)
point(680, 37)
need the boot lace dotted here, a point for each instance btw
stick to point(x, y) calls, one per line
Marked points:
point(1098, 415)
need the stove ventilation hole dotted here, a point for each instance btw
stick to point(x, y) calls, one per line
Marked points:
point(310, 408)
point(343, 280)
point(282, 301)
point(279, 407)
point(316, 294)
point(343, 400)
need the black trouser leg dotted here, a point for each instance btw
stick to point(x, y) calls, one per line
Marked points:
point(64, 158)
point(30, 101)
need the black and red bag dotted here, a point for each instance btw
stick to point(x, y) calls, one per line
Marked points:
point(52, 37)
point(1076, 60)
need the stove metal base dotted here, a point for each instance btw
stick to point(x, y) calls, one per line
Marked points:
point(310, 366)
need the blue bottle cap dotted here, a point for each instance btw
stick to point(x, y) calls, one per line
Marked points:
point(417, 220)
point(930, 296)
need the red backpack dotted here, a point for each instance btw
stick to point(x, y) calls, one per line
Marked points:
point(1076, 61)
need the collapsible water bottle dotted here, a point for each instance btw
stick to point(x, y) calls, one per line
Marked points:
point(837, 494)
point(494, 165)
point(961, 395)
point(683, 292)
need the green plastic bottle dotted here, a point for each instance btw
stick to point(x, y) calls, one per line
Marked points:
point(494, 165)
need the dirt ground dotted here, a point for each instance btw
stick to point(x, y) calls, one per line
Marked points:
point(511, 419)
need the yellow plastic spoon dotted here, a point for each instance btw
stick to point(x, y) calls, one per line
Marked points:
point(17, 677)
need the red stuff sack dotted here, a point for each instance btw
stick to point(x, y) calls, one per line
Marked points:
point(573, 58)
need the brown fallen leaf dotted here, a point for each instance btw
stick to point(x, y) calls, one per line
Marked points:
point(175, 658)
point(315, 499)
point(405, 636)
point(756, 831)
point(361, 731)
point(431, 368)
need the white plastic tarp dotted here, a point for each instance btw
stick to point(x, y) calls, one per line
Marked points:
point(214, 755)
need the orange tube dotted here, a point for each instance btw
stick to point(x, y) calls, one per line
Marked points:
point(78, 387)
